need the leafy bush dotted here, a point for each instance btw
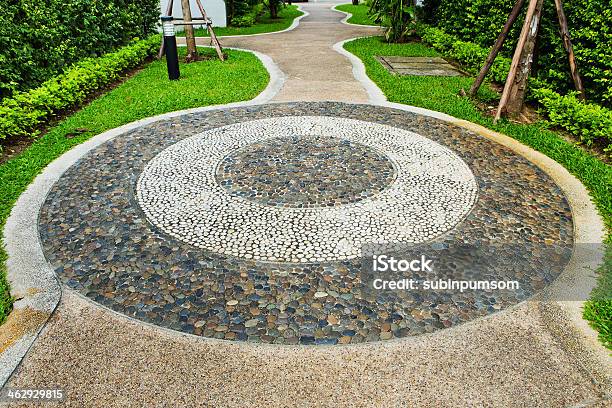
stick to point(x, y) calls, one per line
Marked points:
point(590, 25)
point(587, 121)
point(396, 16)
point(472, 56)
point(273, 6)
point(23, 113)
point(243, 13)
point(39, 39)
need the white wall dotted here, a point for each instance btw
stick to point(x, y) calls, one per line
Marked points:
point(215, 9)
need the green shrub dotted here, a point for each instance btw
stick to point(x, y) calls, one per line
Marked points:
point(243, 13)
point(590, 25)
point(25, 111)
point(39, 39)
point(396, 16)
point(587, 121)
point(470, 55)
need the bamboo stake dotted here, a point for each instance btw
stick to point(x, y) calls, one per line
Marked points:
point(516, 82)
point(516, 10)
point(567, 43)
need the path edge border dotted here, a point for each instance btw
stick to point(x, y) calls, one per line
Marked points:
point(348, 16)
point(294, 24)
point(589, 227)
point(32, 281)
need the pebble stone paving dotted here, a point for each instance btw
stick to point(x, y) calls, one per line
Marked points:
point(98, 235)
point(305, 172)
point(409, 189)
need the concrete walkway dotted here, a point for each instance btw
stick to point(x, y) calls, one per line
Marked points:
point(315, 72)
point(530, 355)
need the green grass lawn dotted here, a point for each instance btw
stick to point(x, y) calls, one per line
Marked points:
point(359, 14)
point(264, 24)
point(148, 93)
point(442, 94)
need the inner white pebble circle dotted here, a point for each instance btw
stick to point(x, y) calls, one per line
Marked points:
point(177, 190)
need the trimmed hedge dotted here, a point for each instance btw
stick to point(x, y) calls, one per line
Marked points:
point(472, 56)
point(22, 114)
point(589, 122)
point(590, 26)
point(41, 38)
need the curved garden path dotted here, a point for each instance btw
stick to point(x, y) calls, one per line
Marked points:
point(530, 354)
point(314, 71)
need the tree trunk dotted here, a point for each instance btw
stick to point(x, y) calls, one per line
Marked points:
point(273, 8)
point(513, 96)
point(355, 2)
point(229, 12)
point(192, 52)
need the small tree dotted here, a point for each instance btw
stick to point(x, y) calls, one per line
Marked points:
point(274, 6)
point(397, 16)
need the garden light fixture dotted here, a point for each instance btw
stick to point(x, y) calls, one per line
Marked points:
point(170, 46)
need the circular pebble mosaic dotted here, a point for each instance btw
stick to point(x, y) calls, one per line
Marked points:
point(184, 190)
point(305, 172)
point(101, 243)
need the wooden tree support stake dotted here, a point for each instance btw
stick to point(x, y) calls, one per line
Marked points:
point(516, 10)
point(211, 32)
point(512, 98)
point(567, 43)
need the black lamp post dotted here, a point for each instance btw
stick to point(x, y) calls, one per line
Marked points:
point(170, 47)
